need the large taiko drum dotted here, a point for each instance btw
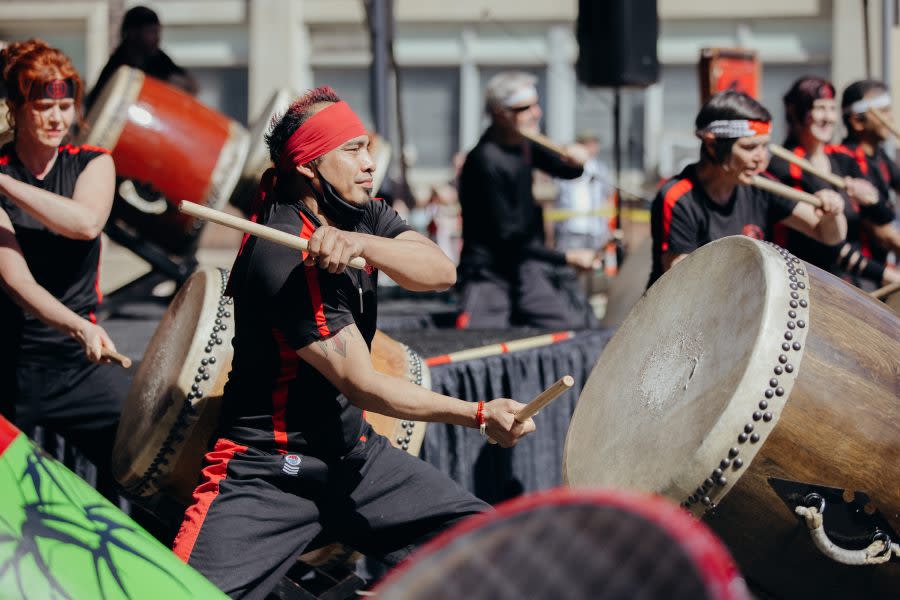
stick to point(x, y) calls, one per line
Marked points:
point(585, 544)
point(761, 393)
point(167, 147)
point(893, 301)
point(173, 405)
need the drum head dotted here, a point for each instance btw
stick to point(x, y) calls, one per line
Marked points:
point(672, 395)
point(159, 412)
point(597, 544)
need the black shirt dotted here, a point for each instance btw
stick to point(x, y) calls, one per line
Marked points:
point(844, 163)
point(274, 401)
point(883, 173)
point(159, 66)
point(683, 217)
point(69, 269)
point(502, 225)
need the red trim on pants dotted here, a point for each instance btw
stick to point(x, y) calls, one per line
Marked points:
point(212, 475)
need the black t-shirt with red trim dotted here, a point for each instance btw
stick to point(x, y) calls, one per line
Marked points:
point(844, 163)
point(884, 174)
point(683, 217)
point(274, 401)
point(69, 269)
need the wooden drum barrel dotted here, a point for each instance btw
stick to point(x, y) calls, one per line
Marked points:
point(758, 391)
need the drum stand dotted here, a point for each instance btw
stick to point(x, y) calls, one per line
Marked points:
point(164, 267)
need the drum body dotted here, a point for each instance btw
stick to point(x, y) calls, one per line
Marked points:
point(173, 405)
point(742, 381)
point(893, 301)
point(167, 147)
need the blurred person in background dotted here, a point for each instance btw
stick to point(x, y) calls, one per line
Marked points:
point(506, 269)
point(139, 48)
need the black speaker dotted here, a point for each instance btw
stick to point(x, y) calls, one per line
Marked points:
point(617, 42)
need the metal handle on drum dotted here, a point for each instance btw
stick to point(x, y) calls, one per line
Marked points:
point(879, 551)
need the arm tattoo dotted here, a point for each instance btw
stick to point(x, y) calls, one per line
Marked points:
point(337, 342)
point(323, 344)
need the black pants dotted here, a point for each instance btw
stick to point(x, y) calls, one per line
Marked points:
point(81, 402)
point(254, 513)
point(527, 297)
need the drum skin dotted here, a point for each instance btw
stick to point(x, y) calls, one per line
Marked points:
point(164, 138)
point(173, 404)
point(832, 419)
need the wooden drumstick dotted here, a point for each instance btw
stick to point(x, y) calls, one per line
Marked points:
point(885, 291)
point(764, 183)
point(114, 356)
point(564, 384)
point(807, 166)
point(893, 128)
point(543, 140)
point(267, 233)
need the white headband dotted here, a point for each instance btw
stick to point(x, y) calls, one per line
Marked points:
point(529, 92)
point(862, 106)
point(736, 128)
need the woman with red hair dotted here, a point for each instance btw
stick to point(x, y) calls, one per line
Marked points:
point(812, 113)
point(54, 201)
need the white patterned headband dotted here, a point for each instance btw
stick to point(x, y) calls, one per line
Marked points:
point(736, 128)
point(861, 107)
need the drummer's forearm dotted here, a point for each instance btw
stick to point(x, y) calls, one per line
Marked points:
point(36, 300)
point(396, 397)
point(412, 260)
point(58, 213)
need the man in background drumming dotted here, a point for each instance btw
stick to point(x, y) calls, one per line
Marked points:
point(295, 458)
point(504, 263)
point(865, 138)
point(711, 199)
point(139, 48)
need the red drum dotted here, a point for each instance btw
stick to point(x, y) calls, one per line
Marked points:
point(590, 544)
point(762, 394)
point(167, 147)
point(173, 405)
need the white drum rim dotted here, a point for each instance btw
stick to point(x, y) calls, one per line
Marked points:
point(107, 118)
point(729, 445)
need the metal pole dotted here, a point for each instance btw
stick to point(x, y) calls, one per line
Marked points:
point(379, 31)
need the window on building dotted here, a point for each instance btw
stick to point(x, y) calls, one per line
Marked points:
point(224, 89)
point(430, 102)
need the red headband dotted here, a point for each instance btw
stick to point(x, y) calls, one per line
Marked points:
point(321, 133)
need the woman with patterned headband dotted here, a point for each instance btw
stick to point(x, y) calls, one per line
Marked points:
point(54, 201)
point(711, 199)
point(811, 110)
point(865, 137)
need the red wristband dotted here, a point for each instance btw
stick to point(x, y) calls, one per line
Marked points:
point(479, 414)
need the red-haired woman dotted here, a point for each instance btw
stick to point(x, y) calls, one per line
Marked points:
point(812, 113)
point(54, 201)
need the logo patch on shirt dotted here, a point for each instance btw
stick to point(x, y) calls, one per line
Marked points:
point(291, 464)
point(753, 231)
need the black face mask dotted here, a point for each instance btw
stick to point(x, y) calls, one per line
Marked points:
point(338, 210)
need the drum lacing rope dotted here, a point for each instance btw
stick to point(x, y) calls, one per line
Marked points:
point(880, 551)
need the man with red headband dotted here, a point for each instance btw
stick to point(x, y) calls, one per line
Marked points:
point(711, 199)
point(295, 460)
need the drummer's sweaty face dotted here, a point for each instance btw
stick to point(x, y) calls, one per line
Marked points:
point(349, 168)
point(749, 157)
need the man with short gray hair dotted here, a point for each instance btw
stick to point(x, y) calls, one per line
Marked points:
point(504, 267)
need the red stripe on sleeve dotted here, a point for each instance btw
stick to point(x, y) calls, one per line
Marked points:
point(675, 192)
point(211, 478)
point(795, 171)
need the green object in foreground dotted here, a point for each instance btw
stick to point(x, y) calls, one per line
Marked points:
point(60, 539)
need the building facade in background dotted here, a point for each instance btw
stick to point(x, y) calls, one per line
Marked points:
point(241, 51)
